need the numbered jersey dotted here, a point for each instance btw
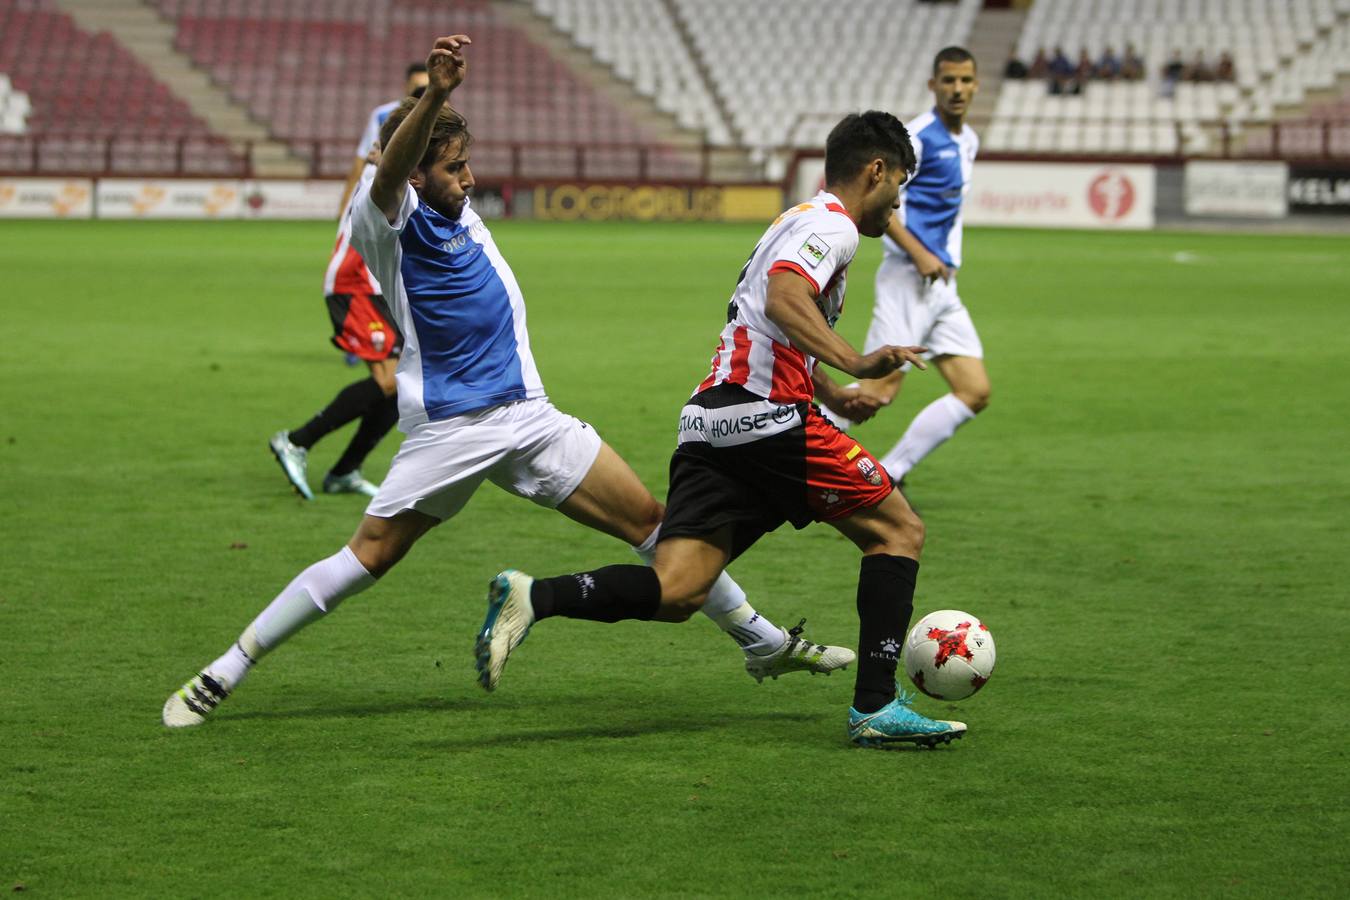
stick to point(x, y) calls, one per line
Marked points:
point(816, 241)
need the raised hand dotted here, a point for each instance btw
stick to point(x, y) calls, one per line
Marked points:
point(446, 65)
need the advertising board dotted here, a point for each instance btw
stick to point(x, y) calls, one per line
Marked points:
point(46, 198)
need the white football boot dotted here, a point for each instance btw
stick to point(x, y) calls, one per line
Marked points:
point(797, 655)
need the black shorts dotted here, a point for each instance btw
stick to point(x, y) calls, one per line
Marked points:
point(812, 472)
point(364, 326)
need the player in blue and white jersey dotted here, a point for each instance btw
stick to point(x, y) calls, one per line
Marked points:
point(471, 402)
point(916, 298)
point(414, 83)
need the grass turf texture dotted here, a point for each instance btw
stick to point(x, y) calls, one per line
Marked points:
point(1151, 517)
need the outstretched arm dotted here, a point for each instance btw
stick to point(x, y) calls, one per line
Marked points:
point(791, 305)
point(445, 68)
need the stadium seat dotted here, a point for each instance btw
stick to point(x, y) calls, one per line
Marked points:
point(277, 56)
point(1282, 50)
point(38, 97)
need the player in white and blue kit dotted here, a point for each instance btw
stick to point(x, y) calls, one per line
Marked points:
point(916, 298)
point(414, 83)
point(471, 402)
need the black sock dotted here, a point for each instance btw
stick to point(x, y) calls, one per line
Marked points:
point(352, 401)
point(375, 424)
point(885, 604)
point(611, 594)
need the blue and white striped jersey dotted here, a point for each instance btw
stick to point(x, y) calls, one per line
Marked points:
point(457, 303)
point(930, 202)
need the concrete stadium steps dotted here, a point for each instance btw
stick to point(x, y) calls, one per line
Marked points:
point(993, 34)
point(726, 163)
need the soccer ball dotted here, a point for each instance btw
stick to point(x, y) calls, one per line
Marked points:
point(949, 654)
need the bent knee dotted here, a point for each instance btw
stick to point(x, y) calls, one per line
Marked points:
point(976, 400)
point(680, 609)
point(905, 537)
point(681, 595)
point(913, 532)
point(377, 559)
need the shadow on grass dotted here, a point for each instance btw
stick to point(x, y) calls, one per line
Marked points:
point(362, 710)
point(639, 725)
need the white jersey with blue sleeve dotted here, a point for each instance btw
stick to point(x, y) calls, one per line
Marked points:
point(930, 204)
point(373, 126)
point(457, 303)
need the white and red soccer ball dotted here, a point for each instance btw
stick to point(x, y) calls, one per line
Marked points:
point(949, 654)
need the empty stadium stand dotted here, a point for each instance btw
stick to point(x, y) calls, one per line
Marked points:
point(106, 112)
point(767, 73)
point(763, 76)
point(312, 71)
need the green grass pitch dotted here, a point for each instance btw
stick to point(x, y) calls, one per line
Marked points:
point(1151, 516)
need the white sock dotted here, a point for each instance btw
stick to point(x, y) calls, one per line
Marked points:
point(751, 631)
point(726, 605)
point(934, 424)
point(313, 594)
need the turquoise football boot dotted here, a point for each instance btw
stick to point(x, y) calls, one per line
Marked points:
point(896, 723)
point(509, 617)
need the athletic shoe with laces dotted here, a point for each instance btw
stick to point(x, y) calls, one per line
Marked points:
point(194, 701)
point(897, 723)
point(509, 617)
point(292, 460)
point(351, 483)
point(797, 655)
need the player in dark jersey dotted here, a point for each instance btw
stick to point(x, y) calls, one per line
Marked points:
point(756, 452)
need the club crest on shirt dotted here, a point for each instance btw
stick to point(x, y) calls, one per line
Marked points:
point(869, 471)
point(814, 251)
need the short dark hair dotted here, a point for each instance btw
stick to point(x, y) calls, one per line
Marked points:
point(413, 69)
point(450, 127)
point(953, 55)
point(860, 138)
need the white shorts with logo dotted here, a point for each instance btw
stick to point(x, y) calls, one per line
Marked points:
point(528, 448)
point(909, 312)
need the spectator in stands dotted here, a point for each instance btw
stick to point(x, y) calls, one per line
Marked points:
point(414, 81)
point(1108, 67)
point(1061, 72)
point(1040, 66)
point(1172, 72)
point(1083, 72)
point(1132, 66)
point(1199, 70)
point(1223, 71)
point(1014, 69)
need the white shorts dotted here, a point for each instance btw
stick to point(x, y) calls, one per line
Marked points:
point(528, 448)
point(911, 312)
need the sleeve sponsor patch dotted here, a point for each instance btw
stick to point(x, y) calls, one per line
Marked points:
point(814, 251)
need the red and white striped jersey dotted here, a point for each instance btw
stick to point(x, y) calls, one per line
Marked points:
point(816, 240)
point(347, 272)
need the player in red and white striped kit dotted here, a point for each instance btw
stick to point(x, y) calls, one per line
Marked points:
point(363, 327)
point(755, 452)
